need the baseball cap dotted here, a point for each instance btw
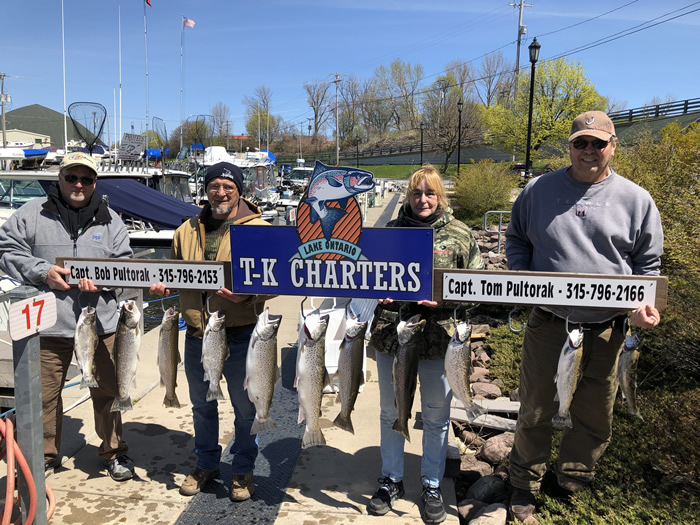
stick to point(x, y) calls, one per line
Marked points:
point(78, 158)
point(592, 123)
point(225, 170)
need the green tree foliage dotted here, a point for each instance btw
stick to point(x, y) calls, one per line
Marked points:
point(669, 169)
point(562, 91)
point(481, 187)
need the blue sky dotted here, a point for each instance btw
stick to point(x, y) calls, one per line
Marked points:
point(236, 46)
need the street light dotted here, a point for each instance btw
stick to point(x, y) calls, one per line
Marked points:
point(421, 142)
point(459, 133)
point(534, 49)
point(357, 150)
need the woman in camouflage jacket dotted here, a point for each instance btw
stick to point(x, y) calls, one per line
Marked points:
point(454, 246)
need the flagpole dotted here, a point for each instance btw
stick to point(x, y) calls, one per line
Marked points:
point(182, 44)
point(145, 38)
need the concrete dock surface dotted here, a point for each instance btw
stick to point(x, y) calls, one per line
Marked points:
point(318, 485)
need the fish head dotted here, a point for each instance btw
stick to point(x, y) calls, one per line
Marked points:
point(334, 184)
point(130, 314)
point(216, 321)
point(315, 325)
point(89, 315)
point(170, 317)
point(268, 325)
point(407, 330)
point(463, 333)
point(575, 338)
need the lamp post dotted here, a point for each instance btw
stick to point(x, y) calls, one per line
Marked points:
point(534, 49)
point(357, 150)
point(421, 142)
point(459, 133)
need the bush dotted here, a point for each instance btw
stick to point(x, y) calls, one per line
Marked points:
point(482, 187)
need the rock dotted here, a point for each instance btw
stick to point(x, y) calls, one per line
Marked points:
point(483, 358)
point(471, 439)
point(489, 391)
point(469, 509)
point(478, 371)
point(490, 489)
point(496, 450)
point(494, 514)
point(471, 469)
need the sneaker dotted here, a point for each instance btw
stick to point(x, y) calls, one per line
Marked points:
point(242, 487)
point(121, 468)
point(196, 480)
point(386, 495)
point(433, 507)
point(522, 504)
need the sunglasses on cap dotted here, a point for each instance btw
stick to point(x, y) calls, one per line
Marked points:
point(597, 143)
point(85, 181)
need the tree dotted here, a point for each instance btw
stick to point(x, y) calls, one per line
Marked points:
point(317, 97)
point(562, 92)
point(441, 116)
point(260, 123)
point(221, 114)
point(398, 87)
point(350, 117)
point(495, 78)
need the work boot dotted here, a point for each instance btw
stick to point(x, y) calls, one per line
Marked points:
point(433, 506)
point(384, 498)
point(551, 487)
point(196, 480)
point(242, 487)
point(522, 504)
point(121, 468)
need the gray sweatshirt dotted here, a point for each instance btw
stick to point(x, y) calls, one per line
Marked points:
point(561, 225)
point(34, 236)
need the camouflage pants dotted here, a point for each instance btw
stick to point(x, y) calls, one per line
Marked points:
point(591, 409)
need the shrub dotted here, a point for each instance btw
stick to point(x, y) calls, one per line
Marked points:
point(483, 186)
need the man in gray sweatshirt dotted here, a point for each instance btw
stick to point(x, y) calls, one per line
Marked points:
point(584, 218)
point(72, 221)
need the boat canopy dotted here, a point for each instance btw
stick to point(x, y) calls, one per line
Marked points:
point(132, 199)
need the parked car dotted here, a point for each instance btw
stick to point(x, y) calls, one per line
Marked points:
point(298, 178)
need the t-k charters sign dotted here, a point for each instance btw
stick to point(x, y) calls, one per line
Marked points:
point(328, 253)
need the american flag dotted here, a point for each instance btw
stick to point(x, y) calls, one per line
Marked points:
point(149, 2)
point(189, 22)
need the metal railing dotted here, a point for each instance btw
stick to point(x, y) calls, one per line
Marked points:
point(666, 109)
point(500, 229)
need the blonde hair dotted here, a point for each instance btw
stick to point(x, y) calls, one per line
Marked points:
point(433, 180)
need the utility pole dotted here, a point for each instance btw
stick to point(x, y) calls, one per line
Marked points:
point(3, 98)
point(522, 31)
point(337, 138)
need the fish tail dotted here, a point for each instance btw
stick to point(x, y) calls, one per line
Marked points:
point(559, 421)
point(121, 405)
point(171, 402)
point(215, 392)
point(261, 425)
point(88, 381)
point(344, 422)
point(312, 438)
point(474, 411)
point(402, 428)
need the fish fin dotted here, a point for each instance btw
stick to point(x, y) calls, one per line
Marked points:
point(332, 181)
point(337, 398)
point(277, 375)
point(88, 382)
point(560, 422)
point(313, 213)
point(344, 202)
point(120, 405)
point(326, 378)
point(178, 357)
point(245, 384)
point(401, 429)
point(302, 415)
point(262, 426)
point(556, 396)
point(312, 438)
point(171, 403)
point(344, 422)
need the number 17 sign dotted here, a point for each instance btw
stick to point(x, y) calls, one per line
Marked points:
point(30, 316)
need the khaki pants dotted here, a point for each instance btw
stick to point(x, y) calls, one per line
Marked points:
point(591, 409)
point(56, 355)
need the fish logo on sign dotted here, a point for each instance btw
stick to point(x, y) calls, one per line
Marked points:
point(329, 221)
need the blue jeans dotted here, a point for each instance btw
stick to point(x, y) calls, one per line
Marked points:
point(435, 396)
point(205, 413)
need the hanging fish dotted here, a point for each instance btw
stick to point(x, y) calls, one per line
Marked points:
point(127, 345)
point(458, 369)
point(214, 353)
point(627, 372)
point(169, 355)
point(567, 377)
point(405, 370)
point(85, 344)
point(350, 375)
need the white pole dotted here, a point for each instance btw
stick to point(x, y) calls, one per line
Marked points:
point(119, 137)
point(145, 38)
point(182, 44)
point(65, 107)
